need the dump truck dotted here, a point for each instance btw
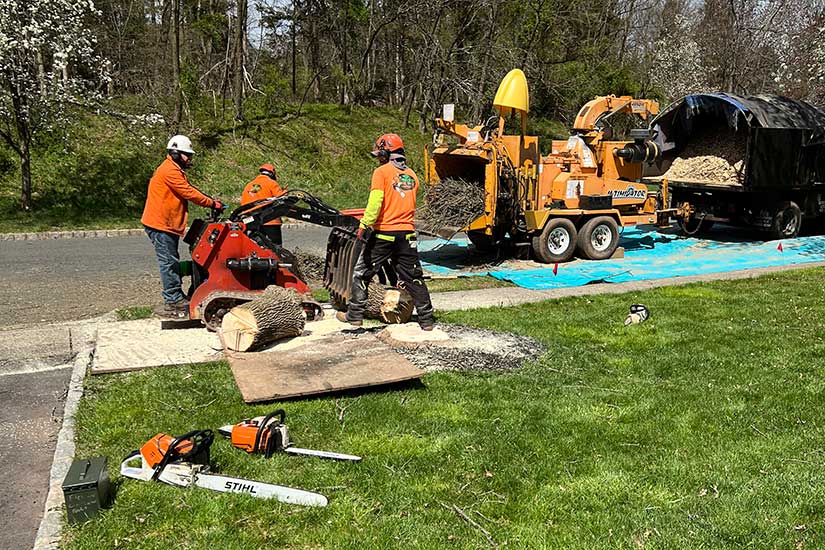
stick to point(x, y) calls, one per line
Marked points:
point(755, 161)
point(573, 199)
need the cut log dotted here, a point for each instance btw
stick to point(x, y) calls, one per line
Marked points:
point(276, 314)
point(397, 306)
point(390, 305)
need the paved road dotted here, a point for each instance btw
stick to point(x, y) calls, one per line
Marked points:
point(51, 281)
point(70, 279)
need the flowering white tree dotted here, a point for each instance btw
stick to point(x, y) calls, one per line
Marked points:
point(47, 64)
point(676, 67)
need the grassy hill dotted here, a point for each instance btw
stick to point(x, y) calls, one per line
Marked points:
point(97, 177)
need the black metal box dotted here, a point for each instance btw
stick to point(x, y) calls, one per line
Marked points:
point(595, 202)
point(86, 488)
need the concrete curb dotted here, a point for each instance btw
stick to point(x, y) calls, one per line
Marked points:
point(49, 532)
point(92, 233)
point(86, 234)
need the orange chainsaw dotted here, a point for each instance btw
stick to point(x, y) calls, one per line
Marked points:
point(184, 461)
point(268, 434)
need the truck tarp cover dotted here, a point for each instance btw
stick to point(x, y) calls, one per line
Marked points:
point(786, 138)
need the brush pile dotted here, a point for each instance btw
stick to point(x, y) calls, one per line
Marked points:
point(716, 155)
point(449, 206)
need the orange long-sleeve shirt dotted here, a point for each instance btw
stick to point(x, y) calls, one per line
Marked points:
point(167, 201)
point(262, 187)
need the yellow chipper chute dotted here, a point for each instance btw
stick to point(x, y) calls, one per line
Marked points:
point(512, 97)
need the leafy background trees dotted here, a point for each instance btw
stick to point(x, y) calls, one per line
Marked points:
point(135, 71)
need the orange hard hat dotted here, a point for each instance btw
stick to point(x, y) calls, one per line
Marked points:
point(389, 143)
point(267, 169)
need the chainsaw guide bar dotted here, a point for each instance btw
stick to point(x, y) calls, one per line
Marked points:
point(184, 461)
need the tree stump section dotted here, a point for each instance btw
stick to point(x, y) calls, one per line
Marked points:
point(276, 314)
point(389, 305)
point(410, 336)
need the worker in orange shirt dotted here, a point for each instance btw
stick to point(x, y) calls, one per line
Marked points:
point(388, 233)
point(164, 218)
point(263, 187)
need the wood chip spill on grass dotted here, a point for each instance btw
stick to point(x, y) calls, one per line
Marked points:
point(473, 349)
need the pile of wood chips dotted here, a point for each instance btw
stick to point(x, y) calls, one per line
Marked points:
point(716, 155)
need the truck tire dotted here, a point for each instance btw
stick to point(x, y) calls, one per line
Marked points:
point(556, 242)
point(599, 238)
point(787, 221)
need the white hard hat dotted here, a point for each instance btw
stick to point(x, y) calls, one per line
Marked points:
point(180, 143)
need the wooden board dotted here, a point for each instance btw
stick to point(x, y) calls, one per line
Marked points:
point(141, 344)
point(335, 363)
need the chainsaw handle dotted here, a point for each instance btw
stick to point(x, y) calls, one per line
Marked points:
point(280, 413)
point(263, 427)
point(199, 439)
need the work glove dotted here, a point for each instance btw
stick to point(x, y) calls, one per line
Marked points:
point(219, 206)
point(364, 234)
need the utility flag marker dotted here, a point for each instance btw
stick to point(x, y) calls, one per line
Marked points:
point(779, 248)
point(555, 269)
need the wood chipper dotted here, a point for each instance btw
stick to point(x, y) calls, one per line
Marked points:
point(573, 199)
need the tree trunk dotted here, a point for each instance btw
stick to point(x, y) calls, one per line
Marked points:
point(274, 315)
point(238, 84)
point(25, 177)
point(176, 64)
point(23, 147)
point(292, 38)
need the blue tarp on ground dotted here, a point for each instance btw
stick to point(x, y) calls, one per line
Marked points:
point(649, 254)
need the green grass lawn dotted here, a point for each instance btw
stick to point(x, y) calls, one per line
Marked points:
point(449, 284)
point(701, 428)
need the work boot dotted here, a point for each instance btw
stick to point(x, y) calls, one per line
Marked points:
point(167, 310)
point(427, 326)
point(179, 306)
point(342, 316)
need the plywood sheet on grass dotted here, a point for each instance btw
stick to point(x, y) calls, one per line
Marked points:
point(135, 345)
point(335, 363)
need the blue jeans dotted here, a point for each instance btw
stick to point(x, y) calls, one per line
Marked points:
point(166, 250)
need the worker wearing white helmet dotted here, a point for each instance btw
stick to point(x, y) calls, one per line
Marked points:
point(164, 218)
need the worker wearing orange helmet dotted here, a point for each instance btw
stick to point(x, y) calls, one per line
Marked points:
point(263, 187)
point(164, 218)
point(387, 231)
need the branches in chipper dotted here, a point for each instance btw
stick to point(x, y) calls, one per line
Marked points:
point(449, 206)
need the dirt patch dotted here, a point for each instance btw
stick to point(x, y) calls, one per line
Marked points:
point(474, 349)
point(715, 155)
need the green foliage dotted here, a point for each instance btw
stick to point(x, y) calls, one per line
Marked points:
point(700, 428)
point(98, 177)
point(132, 313)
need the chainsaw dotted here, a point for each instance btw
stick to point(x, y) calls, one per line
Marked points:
point(184, 461)
point(268, 434)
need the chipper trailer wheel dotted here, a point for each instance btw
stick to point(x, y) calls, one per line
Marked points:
point(599, 238)
point(556, 242)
